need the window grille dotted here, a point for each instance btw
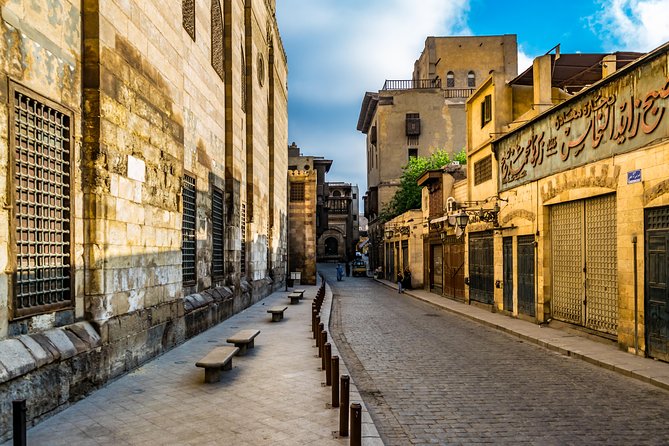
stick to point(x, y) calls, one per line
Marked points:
point(188, 16)
point(41, 147)
point(471, 79)
point(450, 80)
point(483, 170)
point(297, 192)
point(218, 233)
point(188, 238)
point(217, 38)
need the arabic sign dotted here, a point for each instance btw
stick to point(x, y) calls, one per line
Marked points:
point(618, 117)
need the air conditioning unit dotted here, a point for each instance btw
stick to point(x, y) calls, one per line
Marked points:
point(455, 163)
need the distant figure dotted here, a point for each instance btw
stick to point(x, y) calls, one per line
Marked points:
point(348, 269)
point(407, 280)
point(340, 272)
point(400, 279)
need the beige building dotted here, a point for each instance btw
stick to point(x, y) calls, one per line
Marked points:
point(308, 213)
point(567, 209)
point(339, 239)
point(416, 117)
point(144, 180)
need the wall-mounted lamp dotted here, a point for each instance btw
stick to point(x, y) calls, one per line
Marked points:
point(389, 233)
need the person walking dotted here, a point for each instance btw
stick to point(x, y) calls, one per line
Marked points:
point(340, 272)
point(400, 278)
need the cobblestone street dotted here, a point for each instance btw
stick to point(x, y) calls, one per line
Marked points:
point(429, 376)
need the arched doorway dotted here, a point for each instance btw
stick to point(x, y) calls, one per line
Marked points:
point(331, 246)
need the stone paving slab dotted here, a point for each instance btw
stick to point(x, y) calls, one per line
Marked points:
point(273, 395)
point(597, 353)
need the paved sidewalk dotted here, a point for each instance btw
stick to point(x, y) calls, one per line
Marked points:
point(575, 345)
point(273, 395)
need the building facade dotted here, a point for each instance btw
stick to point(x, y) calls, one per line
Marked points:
point(339, 241)
point(586, 185)
point(416, 117)
point(144, 181)
point(308, 213)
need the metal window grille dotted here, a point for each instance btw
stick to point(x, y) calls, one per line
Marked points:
point(450, 80)
point(297, 192)
point(471, 79)
point(218, 234)
point(41, 141)
point(188, 238)
point(188, 17)
point(217, 38)
point(483, 170)
point(242, 254)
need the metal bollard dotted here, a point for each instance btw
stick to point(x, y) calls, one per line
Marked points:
point(321, 328)
point(314, 313)
point(324, 339)
point(334, 377)
point(19, 422)
point(356, 425)
point(328, 364)
point(318, 321)
point(343, 408)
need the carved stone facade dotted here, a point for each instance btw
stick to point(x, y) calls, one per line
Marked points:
point(162, 140)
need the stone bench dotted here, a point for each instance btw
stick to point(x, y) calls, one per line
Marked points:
point(300, 292)
point(215, 361)
point(294, 298)
point(243, 339)
point(277, 313)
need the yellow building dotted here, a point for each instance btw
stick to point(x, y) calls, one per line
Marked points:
point(578, 186)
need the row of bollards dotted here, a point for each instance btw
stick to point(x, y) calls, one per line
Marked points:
point(340, 384)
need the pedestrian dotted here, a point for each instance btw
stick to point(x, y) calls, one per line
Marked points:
point(400, 278)
point(340, 272)
point(407, 280)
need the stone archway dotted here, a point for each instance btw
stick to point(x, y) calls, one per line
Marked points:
point(331, 246)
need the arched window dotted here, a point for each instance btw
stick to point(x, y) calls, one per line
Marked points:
point(217, 38)
point(450, 80)
point(336, 194)
point(471, 79)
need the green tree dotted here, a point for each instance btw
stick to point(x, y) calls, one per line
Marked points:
point(408, 196)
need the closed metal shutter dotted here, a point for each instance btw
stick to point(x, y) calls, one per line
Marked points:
point(567, 245)
point(601, 283)
point(584, 250)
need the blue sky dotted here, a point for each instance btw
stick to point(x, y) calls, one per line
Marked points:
point(339, 49)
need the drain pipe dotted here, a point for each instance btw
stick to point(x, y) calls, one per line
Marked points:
point(636, 302)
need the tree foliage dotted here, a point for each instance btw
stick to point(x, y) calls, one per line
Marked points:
point(408, 195)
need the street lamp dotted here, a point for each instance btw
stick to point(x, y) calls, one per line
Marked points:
point(462, 219)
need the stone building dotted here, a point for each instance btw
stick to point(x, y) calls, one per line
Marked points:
point(308, 216)
point(587, 208)
point(415, 117)
point(339, 241)
point(565, 214)
point(144, 183)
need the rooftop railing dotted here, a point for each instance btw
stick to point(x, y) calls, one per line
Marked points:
point(411, 84)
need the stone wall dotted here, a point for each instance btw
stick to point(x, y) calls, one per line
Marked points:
point(154, 96)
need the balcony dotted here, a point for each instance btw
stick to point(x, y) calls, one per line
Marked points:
point(411, 84)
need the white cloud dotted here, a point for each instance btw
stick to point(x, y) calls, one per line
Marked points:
point(349, 47)
point(633, 25)
point(524, 60)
